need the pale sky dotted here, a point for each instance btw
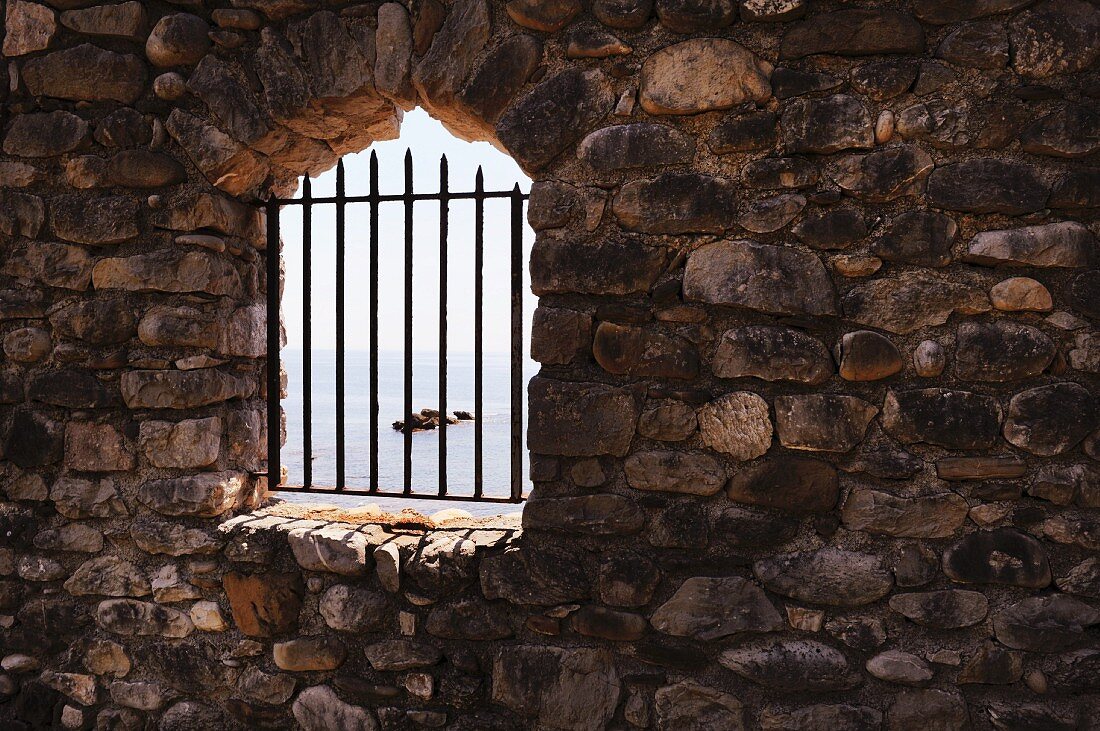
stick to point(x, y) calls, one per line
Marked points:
point(429, 141)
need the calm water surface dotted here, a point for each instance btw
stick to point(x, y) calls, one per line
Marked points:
point(425, 472)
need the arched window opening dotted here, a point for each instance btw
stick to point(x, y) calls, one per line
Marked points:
point(428, 332)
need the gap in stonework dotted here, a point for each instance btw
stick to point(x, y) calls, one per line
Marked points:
point(428, 140)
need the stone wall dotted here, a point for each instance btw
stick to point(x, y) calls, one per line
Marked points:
point(815, 436)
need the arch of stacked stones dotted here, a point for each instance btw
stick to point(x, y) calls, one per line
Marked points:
point(814, 441)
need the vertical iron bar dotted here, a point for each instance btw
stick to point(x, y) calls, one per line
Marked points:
point(307, 335)
point(443, 211)
point(408, 198)
point(517, 344)
point(374, 321)
point(274, 416)
point(340, 474)
point(479, 261)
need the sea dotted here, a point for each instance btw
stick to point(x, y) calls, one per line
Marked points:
point(496, 418)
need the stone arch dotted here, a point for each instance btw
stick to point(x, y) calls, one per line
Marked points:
point(817, 333)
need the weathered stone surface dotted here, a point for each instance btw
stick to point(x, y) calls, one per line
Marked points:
point(828, 124)
point(608, 624)
point(895, 666)
point(543, 576)
point(854, 32)
point(177, 40)
point(987, 185)
point(883, 175)
point(130, 618)
point(669, 421)
point(940, 709)
point(93, 447)
point(1075, 190)
point(264, 605)
point(692, 474)
point(952, 419)
point(789, 483)
point(86, 73)
point(79, 499)
point(1055, 37)
point(1021, 294)
point(318, 708)
point(99, 221)
point(747, 274)
point(982, 45)
point(950, 609)
point(813, 718)
point(701, 75)
point(45, 134)
point(689, 706)
point(29, 27)
point(171, 539)
point(23, 215)
point(72, 388)
point(125, 20)
point(176, 271)
point(56, 265)
point(333, 548)
point(309, 653)
point(548, 17)
point(992, 664)
point(711, 608)
point(744, 133)
point(27, 345)
point(626, 266)
point(177, 326)
point(916, 565)
point(934, 516)
point(69, 537)
point(1001, 351)
point(943, 12)
point(1045, 624)
point(627, 580)
point(555, 115)
point(181, 389)
point(822, 422)
point(579, 687)
point(1002, 556)
point(828, 576)
point(1049, 420)
point(472, 619)
point(637, 351)
point(353, 609)
point(624, 14)
point(767, 215)
point(1082, 579)
point(576, 419)
point(918, 237)
point(559, 334)
point(639, 145)
point(107, 576)
point(792, 666)
point(913, 300)
point(100, 321)
point(677, 203)
point(1065, 244)
point(682, 16)
point(229, 165)
point(399, 655)
point(587, 515)
point(867, 356)
point(736, 424)
point(204, 495)
point(772, 354)
point(835, 228)
point(501, 76)
point(780, 172)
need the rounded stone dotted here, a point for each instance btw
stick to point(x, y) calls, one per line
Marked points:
point(722, 74)
point(1049, 420)
point(895, 666)
point(1021, 294)
point(737, 424)
point(170, 86)
point(929, 359)
point(867, 356)
point(178, 40)
point(27, 345)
